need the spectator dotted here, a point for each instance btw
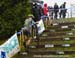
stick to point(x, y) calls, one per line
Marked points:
point(61, 11)
point(45, 10)
point(50, 10)
point(40, 6)
point(41, 3)
point(56, 10)
point(64, 10)
point(50, 15)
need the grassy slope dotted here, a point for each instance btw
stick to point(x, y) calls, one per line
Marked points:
point(72, 41)
point(62, 20)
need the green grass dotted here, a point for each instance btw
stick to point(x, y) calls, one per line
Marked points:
point(64, 20)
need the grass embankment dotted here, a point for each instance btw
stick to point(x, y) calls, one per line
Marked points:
point(54, 42)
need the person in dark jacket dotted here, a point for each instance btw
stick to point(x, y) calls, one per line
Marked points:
point(56, 10)
point(50, 10)
point(61, 11)
point(64, 10)
point(36, 12)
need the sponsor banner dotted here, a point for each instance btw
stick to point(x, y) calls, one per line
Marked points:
point(10, 47)
point(40, 27)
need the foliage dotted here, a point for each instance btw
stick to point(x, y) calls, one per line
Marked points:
point(12, 15)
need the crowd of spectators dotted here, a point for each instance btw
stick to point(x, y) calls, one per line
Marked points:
point(42, 10)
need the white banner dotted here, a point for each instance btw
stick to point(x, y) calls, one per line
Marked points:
point(40, 27)
point(10, 48)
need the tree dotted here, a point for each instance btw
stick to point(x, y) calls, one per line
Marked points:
point(12, 15)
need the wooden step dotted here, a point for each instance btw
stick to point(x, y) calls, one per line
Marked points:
point(52, 45)
point(63, 36)
point(58, 34)
point(48, 52)
point(59, 30)
point(66, 23)
point(54, 31)
point(61, 27)
point(55, 38)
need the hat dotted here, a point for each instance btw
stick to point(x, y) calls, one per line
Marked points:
point(30, 15)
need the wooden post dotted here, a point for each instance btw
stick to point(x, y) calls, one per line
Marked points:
point(20, 40)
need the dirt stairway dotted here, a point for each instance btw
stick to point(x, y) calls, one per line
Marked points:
point(56, 41)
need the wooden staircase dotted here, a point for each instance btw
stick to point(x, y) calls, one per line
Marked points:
point(57, 41)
